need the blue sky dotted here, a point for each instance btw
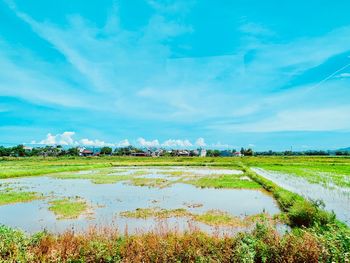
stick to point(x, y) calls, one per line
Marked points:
point(262, 74)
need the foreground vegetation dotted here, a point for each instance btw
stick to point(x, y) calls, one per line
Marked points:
point(264, 244)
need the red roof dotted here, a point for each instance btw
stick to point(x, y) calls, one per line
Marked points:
point(87, 151)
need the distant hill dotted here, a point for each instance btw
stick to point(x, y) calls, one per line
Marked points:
point(344, 149)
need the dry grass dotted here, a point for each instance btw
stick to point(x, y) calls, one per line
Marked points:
point(264, 244)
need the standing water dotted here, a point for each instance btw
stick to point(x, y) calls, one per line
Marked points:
point(108, 200)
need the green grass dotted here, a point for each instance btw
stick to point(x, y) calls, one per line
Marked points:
point(322, 170)
point(155, 212)
point(68, 208)
point(223, 181)
point(218, 218)
point(100, 176)
point(12, 197)
point(299, 211)
point(31, 166)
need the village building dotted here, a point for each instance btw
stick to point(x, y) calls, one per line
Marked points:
point(202, 152)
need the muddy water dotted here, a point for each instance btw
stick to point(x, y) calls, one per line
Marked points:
point(336, 199)
point(108, 200)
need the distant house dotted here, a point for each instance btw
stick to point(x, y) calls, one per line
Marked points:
point(86, 152)
point(140, 154)
point(183, 153)
point(238, 154)
point(94, 151)
point(27, 148)
point(157, 153)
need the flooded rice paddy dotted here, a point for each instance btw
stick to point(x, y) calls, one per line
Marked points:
point(335, 198)
point(136, 199)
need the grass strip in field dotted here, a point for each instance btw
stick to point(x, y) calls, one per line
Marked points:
point(221, 218)
point(211, 217)
point(155, 212)
point(96, 178)
point(151, 182)
point(218, 218)
point(176, 173)
point(223, 181)
point(12, 197)
point(68, 208)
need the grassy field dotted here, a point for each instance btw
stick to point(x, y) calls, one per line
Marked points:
point(322, 170)
point(316, 235)
point(14, 167)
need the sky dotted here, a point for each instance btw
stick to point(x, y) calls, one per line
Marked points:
point(188, 73)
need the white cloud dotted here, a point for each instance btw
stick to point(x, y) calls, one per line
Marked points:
point(200, 142)
point(313, 119)
point(97, 143)
point(344, 75)
point(177, 143)
point(124, 143)
point(66, 138)
point(144, 143)
point(50, 139)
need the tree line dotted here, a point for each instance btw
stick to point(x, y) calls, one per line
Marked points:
point(22, 151)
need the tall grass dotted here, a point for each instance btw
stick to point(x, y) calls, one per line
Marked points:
point(264, 244)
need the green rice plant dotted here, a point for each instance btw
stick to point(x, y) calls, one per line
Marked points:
point(68, 208)
point(222, 181)
point(155, 212)
point(12, 197)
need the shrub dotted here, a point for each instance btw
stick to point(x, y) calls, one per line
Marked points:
point(308, 213)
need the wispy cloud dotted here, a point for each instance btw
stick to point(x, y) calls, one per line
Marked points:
point(320, 119)
point(109, 69)
point(201, 142)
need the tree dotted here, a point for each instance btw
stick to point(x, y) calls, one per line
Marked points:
point(242, 151)
point(106, 150)
point(4, 151)
point(18, 151)
point(213, 153)
point(74, 151)
point(248, 152)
